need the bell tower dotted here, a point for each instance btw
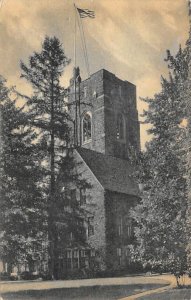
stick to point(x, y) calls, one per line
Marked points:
point(106, 113)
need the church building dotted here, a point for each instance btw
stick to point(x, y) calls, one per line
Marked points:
point(106, 128)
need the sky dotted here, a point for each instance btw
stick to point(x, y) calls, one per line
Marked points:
point(127, 37)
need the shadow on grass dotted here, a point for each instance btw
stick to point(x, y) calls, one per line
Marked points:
point(82, 293)
point(183, 293)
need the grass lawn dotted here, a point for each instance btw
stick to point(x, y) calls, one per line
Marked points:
point(82, 293)
point(174, 294)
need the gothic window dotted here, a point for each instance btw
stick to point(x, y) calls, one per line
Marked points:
point(92, 253)
point(127, 255)
point(69, 259)
point(69, 253)
point(129, 228)
point(120, 127)
point(80, 226)
point(71, 236)
point(87, 127)
point(85, 91)
point(120, 226)
point(90, 226)
point(119, 254)
point(76, 262)
point(76, 253)
point(118, 251)
point(94, 94)
point(82, 196)
point(83, 253)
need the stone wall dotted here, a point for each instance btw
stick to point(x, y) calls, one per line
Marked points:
point(120, 98)
point(94, 206)
point(117, 207)
point(105, 96)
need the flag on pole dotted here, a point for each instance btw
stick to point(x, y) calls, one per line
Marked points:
point(86, 13)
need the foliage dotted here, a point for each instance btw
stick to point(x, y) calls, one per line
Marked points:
point(21, 217)
point(47, 111)
point(186, 95)
point(160, 217)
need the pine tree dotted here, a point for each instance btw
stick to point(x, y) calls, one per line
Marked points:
point(21, 214)
point(44, 72)
point(48, 114)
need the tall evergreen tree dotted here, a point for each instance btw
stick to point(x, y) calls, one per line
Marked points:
point(48, 117)
point(21, 217)
point(48, 114)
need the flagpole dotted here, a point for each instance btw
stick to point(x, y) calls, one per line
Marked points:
point(82, 13)
point(74, 35)
point(75, 100)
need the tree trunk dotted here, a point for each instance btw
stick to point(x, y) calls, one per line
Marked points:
point(51, 230)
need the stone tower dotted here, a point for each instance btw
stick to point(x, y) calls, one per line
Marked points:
point(107, 117)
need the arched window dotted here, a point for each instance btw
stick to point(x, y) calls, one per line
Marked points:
point(120, 127)
point(86, 127)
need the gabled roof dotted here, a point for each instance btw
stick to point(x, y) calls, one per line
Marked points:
point(113, 173)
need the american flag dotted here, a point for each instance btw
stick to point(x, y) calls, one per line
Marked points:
point(86, 13)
